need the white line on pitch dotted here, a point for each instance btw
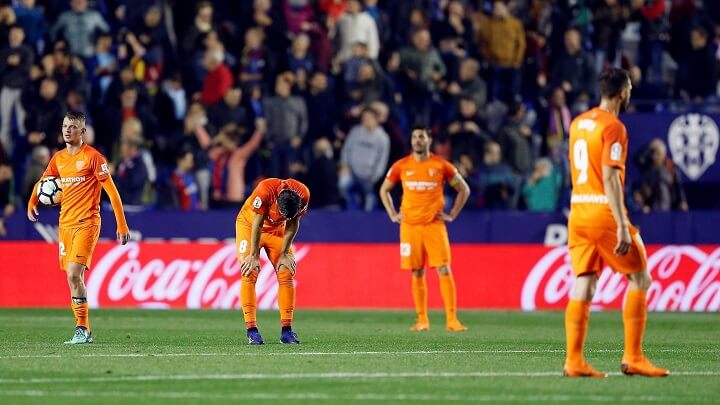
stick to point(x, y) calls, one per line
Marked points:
point(360, 397)
point(310, 376)
point(349, 353)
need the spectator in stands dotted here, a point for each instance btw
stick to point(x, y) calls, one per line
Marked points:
point(650, 14)
point(502, 42)
point(230, 109)
point(363, 160)
point(230, 156)
point(131, 174)
point(298, 57)
point(287, 121)
point(202, 25)
point(382, 20)
point(470, 84)
point(101, 67)
point(465, 131)
point(153, 36)
point(322, 176)
point(609, 19)
point(555, 121)
point(660, 187)
point(516, 139)
point(30, 17)
point(255, 61)
point(496, 183)
point(574, 70)
point(129, 108)
point(195, 137)
point(321, 108)
point(78, 27)
point(171, 104)
point(399, 145)
point(423, 68)
point(454, 24)
point(44, 111)
point(355, 25)
point(183, 183)
point(699, 68)
point(218, 79)
point(69, 76)
point(542, 190)
point(15, 62)
point(38, 162)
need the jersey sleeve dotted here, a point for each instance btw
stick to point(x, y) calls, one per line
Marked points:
point(261, 198)
point(393, 175)
point(51, 169)
point(99, 166)
point(614, 139)
point(449, 170)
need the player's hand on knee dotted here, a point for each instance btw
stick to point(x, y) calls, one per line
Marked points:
point(624, 241)
point(287, 260)
point(33, 213)
point(249, 264)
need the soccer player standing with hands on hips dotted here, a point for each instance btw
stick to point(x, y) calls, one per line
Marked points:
point(270, 219)
point(82, 171)
point(423, 233)
point(599, 232)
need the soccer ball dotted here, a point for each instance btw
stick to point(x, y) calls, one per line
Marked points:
point(49, 191)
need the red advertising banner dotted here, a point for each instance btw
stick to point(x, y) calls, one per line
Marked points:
point(198, 275)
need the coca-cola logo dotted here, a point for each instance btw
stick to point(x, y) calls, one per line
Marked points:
point(207, 277)
point(685, 278)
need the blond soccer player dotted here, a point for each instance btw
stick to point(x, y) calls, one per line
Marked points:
point(423, 234)
point(82, 171)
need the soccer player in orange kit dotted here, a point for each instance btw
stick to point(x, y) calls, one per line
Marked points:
point(82, 171)
point(599, 230)
point(423, 234)
point(270, 219)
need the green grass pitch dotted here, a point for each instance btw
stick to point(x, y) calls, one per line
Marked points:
point(345, 357)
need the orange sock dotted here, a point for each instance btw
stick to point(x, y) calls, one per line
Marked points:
point(634, 319)
point(82, 317)
point(286, 296)
point(420, 297)
point(577, 315)
point(449, 295)
point(248, 299)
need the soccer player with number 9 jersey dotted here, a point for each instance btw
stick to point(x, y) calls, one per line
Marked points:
point(599, 232)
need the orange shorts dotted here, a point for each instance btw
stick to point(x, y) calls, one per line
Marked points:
point(424, 243)
point(591, 248)
point(77, 245)
point(271, 242)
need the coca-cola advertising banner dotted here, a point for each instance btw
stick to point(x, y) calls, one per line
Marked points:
point(333, 275)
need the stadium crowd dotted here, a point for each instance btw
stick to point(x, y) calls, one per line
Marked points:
point(194, 102)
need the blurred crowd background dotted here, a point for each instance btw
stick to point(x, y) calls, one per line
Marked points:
point(193, 102)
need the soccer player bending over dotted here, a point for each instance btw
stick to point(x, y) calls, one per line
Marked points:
point(422, 223)
point(270, 219)
point(599, 230)
point(82, 171)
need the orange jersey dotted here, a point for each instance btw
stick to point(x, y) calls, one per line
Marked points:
point(80, 176)
point(597, 138)
point(422, 184)
point(263, 200)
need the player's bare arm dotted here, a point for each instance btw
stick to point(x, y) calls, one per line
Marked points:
point(251, 262)
point(463, 190)
point(123, 232)
point(614, 193)
point(286, 258)
point(387, 201)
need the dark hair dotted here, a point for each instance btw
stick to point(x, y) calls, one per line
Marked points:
point(75, 116)
point(427, 130)
point(289, 203)
point(612, 81)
